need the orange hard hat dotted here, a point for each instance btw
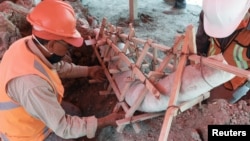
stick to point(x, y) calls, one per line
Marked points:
point(55, 20)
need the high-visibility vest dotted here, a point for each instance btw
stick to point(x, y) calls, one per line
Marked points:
point(235, 54)
point(15, 123)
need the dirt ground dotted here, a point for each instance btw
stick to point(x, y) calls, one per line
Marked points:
point(189, 125)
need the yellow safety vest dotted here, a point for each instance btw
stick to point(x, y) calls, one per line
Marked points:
point(15, 123)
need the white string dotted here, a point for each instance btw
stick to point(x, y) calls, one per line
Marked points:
point(34, 37)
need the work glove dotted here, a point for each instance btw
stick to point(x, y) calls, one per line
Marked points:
point(240, 92)
point(96, 73)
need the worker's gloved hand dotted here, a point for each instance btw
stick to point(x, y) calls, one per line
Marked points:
point(109, 120)
point(240, 92)
point(97, 73)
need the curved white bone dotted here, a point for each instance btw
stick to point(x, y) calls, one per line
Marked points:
point(196, 80)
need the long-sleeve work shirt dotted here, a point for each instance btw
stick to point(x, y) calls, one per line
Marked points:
point(37, 97)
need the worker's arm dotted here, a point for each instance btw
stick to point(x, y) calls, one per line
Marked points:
point(38, 99)
point(70, 70)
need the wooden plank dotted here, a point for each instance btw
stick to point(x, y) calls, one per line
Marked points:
point(174, 93)
point(182, 107)
point(178, 44)
point(133, 14)
point(150, 86)
point(135, 69)
point(118, 70)
point(137, 103)
point(154, 45)
point(155, 75)
point(102, 28)
point(158, 60)
point(165, 63)
point(192, 42)
point(105, 92)
point(142, 41)
point(130, 36)
point(109, 90)
point(135, 125)
point(133, 108)
point(187, 105)
point(154, 60)
point(125, 89)
point(144, 51)
point(119, 52)
point(221, 66)
point(172, 101)
point(111, 81)
point(123, 57)
point(137, 118)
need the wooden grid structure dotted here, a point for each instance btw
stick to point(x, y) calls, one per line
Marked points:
point(175, 59)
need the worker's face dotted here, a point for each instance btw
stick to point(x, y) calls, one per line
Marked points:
point(58, 49)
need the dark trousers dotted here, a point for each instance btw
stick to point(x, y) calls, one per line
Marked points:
point(180, 4)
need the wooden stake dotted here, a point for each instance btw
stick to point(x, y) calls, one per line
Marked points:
point(174, 93)
point(192, 41)
point(133, 108)
point(182, 107)
point(132, 10)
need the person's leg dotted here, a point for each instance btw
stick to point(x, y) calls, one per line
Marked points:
point(180, 4)
point(170, 2)
point(69, 109)
point(178, 8)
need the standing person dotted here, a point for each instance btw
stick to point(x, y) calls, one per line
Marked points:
point(224, 28)
point(178, 8)
point(30, 87)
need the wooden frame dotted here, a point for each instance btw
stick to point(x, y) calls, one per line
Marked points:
point(182, 50)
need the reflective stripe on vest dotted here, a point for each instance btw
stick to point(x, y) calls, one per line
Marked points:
point(233, 54)
point(3, 137)
point(237, 54)
point(40, 68)
point(8, 105)
point(212, 48)
point(46, 132)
